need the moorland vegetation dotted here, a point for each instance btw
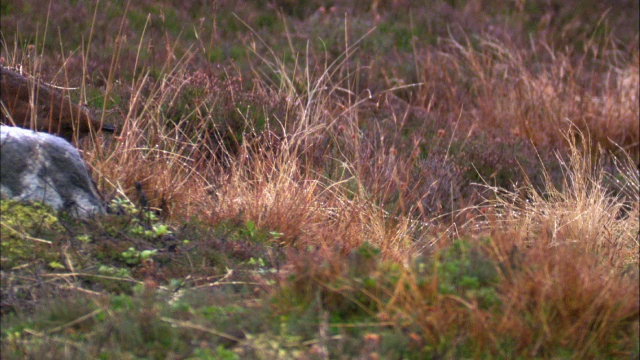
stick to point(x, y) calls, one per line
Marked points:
point(306, 179)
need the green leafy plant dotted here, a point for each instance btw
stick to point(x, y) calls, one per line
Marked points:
point(464, 270)
point(143, 222)
point(113, 271)
point(134, 257)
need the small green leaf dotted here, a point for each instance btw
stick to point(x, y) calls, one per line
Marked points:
point(147, 254)
point(56, 265)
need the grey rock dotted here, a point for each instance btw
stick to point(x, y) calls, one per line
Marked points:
point(36, 166)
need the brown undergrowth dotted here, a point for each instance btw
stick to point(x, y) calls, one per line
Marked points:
point(295, 206)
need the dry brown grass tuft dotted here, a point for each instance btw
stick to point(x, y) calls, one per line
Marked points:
point(567, 263)
point(583, 213)
point(512, 91)
point(565, 299)
point(190, 165)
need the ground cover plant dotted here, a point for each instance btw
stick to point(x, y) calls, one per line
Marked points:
point(315, 180)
